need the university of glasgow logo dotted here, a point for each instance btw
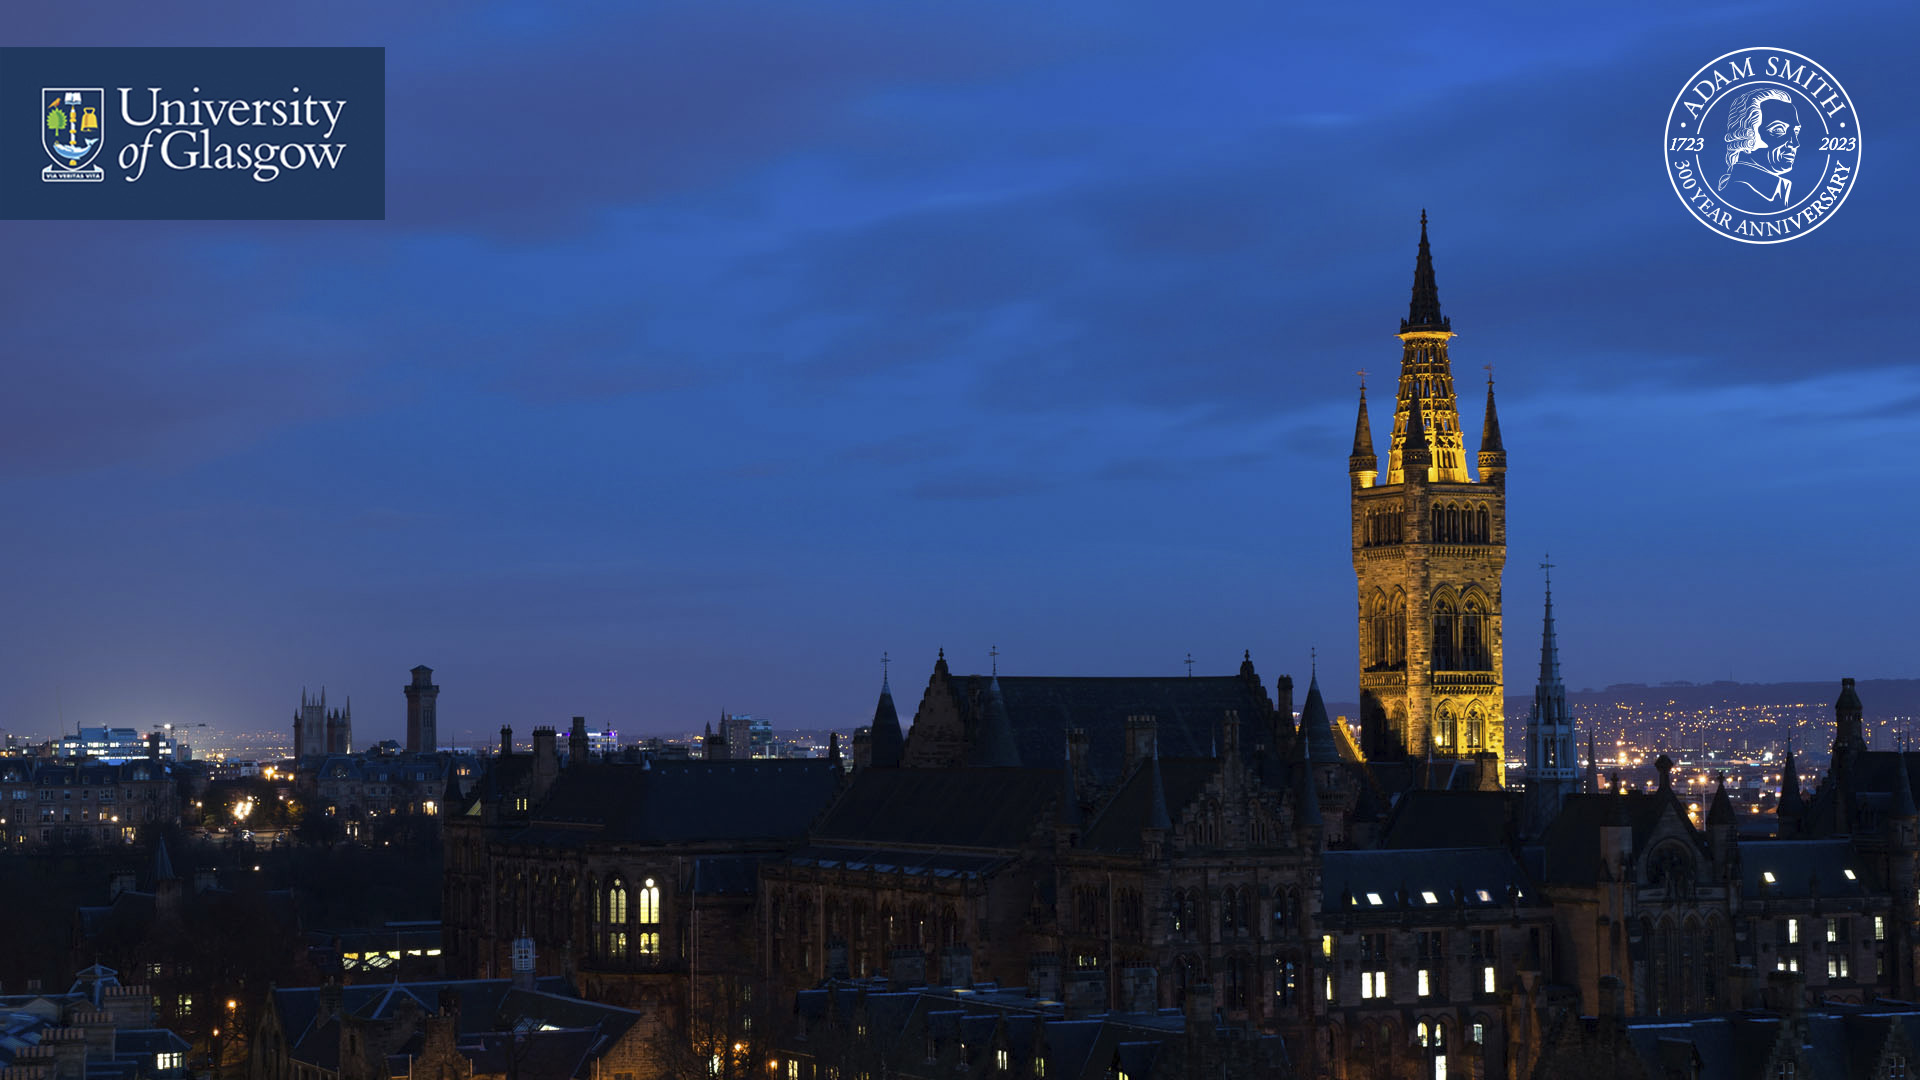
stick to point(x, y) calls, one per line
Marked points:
point(72, 128)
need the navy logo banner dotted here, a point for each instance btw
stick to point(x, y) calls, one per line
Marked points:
point(241, 134)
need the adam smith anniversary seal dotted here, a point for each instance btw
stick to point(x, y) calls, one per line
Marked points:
point(1763, 145)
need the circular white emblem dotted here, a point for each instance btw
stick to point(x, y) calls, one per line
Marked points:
point(1762, 145)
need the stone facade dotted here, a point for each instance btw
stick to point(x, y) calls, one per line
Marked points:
point(1429, 544)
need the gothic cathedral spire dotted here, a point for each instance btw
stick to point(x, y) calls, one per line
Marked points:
point(1429, 546)
point(1551, 766)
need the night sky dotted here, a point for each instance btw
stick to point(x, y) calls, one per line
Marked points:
point(711, 349)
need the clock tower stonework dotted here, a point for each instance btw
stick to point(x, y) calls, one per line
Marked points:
point(1429, 545)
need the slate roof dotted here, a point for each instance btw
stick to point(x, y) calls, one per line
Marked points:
point(1802, 869)
point(1402, 880)
point(1126, 815)
point(1188, 712)
point(1449, 819)
point(684, 802)
point(961, 807)
point(1570, 847)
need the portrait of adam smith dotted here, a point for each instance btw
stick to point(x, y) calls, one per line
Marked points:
point(1763, 137)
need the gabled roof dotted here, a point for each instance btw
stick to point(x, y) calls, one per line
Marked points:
point(961, 807)
point(690, 801)
point(1404, 880)
point(1188, 713)
point(1801, 869)
point(1449, 819)
point(1570, 847)
point(1119, 824)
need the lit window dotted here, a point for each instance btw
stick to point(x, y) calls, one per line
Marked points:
point(793, 1070)
point(166, 1062)
point(1479, 1033)
point(1849, 874)
point(1487, 978)
point(1766, 876)
point(1424, 988)
point(1429, 898)
point(1485, 896)
point(1833, 930)
point(1879, 928)
point(1793, 931)
point(1000, 1060)
point(1326, 944)
point(1040, 1067)
point(1422, 1033)
point(1374, 899)
point(1329, 988)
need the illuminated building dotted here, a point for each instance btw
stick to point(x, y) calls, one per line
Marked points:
point(1429, 543)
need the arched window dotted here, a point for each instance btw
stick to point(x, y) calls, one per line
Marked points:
point(1453, 525)
point(614, 919)
point(1445, 731)
point(1485, 531)
point(649, 919)
point(1445, 631)
point(1439, 525)
point(1476, 728)
point(1378, 625)
point(1473, 636)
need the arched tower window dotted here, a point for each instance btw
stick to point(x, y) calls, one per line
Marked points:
point(1445, 634)
point(1378, 626)
point(1476, 728)
point(1485, 531)
point(649, 919)
point(1444, 728)
point(615, 912)
point(1473, 636)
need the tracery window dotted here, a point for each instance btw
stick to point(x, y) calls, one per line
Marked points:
point(614, 919)
point(649, 919)
point(1445, 627)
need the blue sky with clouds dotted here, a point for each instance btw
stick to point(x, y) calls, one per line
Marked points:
point(865, 327)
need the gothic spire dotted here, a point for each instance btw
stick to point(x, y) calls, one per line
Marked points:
point(1720, 811)
point(994, 746)
point(1490, 430)
point(1416, 456)
point(1424, 312)
point(1362, 459)
point(1549, 642)
point(1790, 804)
point(887, 743)
point(1316, 727)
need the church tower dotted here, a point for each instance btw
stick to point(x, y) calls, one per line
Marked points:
point(1552, 768)
point(1429, 543)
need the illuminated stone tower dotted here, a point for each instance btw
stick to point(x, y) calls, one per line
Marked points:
point(1429, 542)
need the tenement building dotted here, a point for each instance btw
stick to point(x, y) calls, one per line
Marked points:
point(1129, 877)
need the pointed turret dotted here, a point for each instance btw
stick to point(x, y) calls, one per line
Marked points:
point(887, 741)
point(1423, 313)
point(1306, 791)
point(1416, 456)
point(1847, 738)
point(1157, 816)
point(1791, 809)
point(1068, 811)
point(1362, 463)
point(162, 864)
point(994, 747)
point(1720, 811)
point(1316, 727)
point(1493, 452)
point(1903, 805)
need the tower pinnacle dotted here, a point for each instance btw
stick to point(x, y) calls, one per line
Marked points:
point(1493, 452)
point(1362, 463)
point(1423, 313)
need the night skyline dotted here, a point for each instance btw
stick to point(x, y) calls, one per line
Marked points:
point(884, 331)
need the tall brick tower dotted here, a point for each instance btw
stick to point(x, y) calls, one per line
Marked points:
point(422, 721)
point(1429, 543)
